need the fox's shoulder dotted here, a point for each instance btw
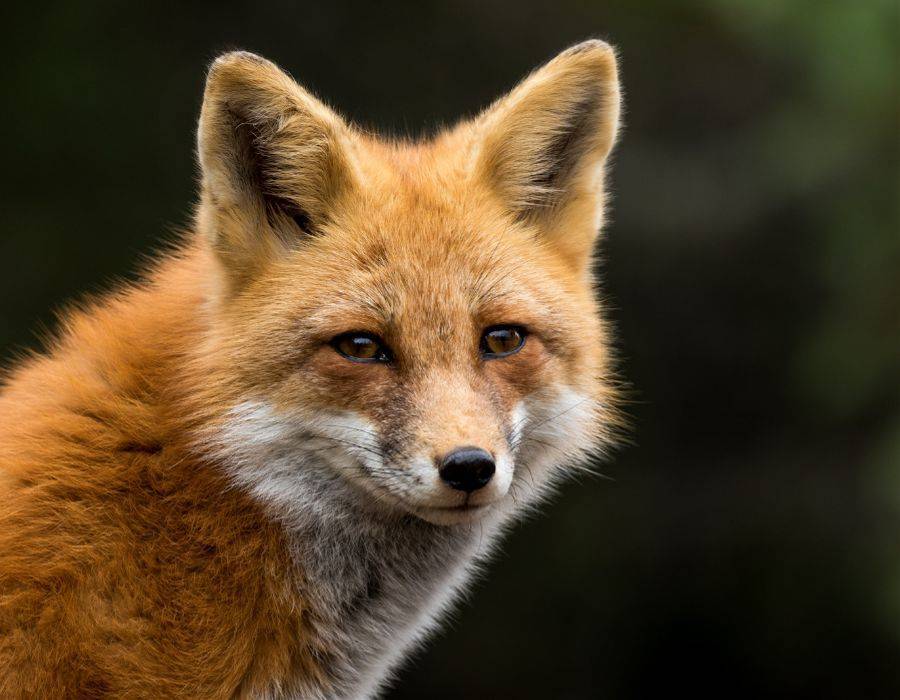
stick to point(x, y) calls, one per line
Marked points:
point(112, 529)
point(103, 556)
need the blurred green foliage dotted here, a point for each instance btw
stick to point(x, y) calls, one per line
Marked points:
point(749, 544)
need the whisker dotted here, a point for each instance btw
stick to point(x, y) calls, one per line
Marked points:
point(554, 417)
point(385, 453)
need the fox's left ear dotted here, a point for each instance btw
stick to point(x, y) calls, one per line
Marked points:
point(275, 162)
point(543, 147)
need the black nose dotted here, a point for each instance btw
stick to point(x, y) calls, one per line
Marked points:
point(467, 468)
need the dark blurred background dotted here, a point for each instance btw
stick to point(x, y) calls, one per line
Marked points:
point(749, 545)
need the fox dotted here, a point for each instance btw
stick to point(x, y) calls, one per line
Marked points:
point(272, 465)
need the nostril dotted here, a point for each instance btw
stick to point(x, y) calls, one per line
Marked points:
point(467, 468)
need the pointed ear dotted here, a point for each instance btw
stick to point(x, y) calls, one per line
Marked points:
point(274, 160)
point(543, 147)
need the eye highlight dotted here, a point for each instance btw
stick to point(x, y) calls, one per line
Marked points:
point(361, 347)
point(501, 341)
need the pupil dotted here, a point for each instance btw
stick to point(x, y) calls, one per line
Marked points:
point(503, 340)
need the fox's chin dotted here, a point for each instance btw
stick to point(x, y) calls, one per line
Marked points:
point(452, 515)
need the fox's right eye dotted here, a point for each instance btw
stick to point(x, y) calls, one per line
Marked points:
point(361, 347)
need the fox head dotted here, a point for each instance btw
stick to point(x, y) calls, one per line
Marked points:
point(415, 321)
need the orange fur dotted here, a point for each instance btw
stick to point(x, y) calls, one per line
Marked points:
point(130, 564)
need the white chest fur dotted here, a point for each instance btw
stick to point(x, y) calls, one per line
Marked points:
point(381, 587)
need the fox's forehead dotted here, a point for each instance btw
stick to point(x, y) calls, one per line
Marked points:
point(394, 274)
point(407, 240)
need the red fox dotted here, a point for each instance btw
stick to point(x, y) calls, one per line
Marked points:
point(267, 469)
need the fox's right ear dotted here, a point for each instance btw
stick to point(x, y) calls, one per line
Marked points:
point(274, 159)
point(543, 148)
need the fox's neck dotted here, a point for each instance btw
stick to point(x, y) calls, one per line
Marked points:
point(378, 585)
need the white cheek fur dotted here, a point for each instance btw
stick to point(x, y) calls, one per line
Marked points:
point(549, 432)
point(357, 435)
point(285, 461)
point(270, 453)
point(518, 421)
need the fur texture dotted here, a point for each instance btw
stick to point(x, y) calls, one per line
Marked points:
point(199, 497)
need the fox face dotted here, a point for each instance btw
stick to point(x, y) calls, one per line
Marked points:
point(416, 322)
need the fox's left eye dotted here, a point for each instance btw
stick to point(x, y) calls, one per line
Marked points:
point(361, 347)
point(500, 341)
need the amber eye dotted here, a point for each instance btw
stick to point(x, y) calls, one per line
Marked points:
point(361, 347)
point(500, 341)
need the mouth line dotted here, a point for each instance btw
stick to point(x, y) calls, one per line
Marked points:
point(463, 508)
